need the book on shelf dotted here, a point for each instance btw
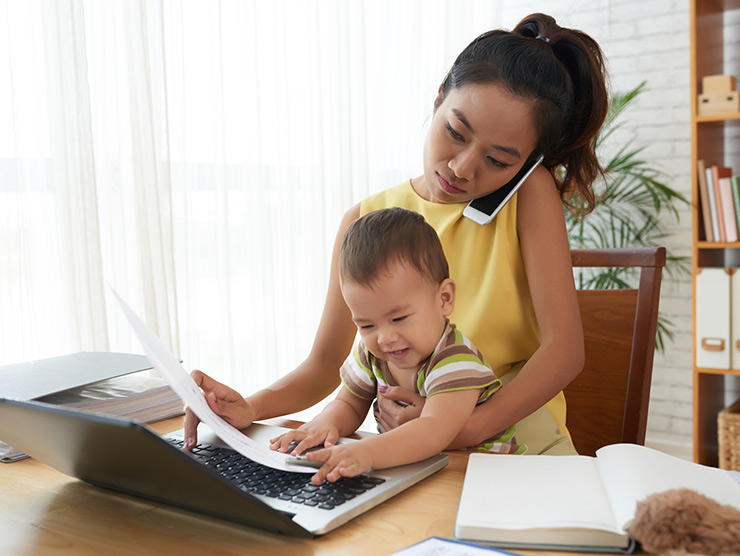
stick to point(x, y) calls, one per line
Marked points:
point(119, 384)
point(735, 186)
point(719, 172)
point(719, 211)
point(728, 208)
point(575, 502)
point(706, 213)
point(713, 207)
point(717, 214)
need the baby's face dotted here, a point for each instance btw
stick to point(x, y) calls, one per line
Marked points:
point(401, 315)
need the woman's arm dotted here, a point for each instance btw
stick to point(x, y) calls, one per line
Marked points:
point(560, 357)
point(317, 376)
point(314, 379)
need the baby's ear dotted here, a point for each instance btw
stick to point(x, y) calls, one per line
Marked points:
point(447, 296)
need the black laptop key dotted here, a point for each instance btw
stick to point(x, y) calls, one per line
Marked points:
point(260, 479)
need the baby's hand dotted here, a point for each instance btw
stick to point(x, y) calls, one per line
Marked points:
point(307, 436)
point(344, 460)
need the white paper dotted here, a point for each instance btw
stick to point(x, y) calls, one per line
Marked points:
point(631, 473)
point(437, 546)
point(185, 387)
point(567, 490)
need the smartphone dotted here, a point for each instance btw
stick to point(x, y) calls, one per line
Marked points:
point(484, 209)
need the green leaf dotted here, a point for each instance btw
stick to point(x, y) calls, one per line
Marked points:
point(634, 202)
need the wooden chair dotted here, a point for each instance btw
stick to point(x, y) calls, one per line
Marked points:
point(608, 401)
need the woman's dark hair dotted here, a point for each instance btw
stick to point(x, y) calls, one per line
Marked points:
point(562, 72)
point(394, 235)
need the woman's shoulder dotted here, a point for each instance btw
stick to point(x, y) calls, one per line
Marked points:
point(539, 192)
point(539, 179)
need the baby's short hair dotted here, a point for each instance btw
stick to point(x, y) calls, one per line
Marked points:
point(382, 237)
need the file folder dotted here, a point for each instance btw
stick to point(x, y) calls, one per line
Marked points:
point(713, 318)
point(735, 319)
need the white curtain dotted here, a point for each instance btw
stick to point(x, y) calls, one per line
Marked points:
point(198, 157)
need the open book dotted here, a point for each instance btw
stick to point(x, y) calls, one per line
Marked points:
point(575, 502)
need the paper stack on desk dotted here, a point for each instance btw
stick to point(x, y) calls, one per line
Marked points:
point(119, 384)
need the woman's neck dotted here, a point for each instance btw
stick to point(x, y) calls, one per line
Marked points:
point(419, 187)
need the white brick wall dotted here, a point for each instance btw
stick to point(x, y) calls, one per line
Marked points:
point(649, 40)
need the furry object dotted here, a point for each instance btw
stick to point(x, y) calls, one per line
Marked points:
point(682, 521)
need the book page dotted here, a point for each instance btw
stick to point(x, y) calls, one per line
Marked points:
point(534, 492)
point(631, 473)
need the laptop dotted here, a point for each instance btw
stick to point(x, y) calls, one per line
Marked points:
point(127, 456)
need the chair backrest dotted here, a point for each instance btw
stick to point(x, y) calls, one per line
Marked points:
point(608, 401)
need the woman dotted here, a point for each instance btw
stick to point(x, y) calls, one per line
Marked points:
point(539, 89)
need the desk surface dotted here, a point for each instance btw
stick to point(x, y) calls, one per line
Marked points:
point(46, 512)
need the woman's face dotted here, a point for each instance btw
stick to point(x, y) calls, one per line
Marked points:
point(479, 138)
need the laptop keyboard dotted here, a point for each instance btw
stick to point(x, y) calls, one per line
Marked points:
point(256, 478)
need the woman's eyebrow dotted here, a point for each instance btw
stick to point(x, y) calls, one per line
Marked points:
point(509, 150)
point(463, 119)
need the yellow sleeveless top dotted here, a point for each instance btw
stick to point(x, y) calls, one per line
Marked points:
point(493, 306)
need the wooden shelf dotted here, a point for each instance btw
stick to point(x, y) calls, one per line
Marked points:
point(718, 117)
point(711, 141)
point(723, 372)
point(718, 244)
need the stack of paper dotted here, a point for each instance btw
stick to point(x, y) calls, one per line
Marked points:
point(137, 396)
point(118, 384)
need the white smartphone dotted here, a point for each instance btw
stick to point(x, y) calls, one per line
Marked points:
point(484, 209)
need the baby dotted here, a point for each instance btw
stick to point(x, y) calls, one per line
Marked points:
point(395, 280)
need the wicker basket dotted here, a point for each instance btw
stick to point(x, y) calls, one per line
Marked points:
point(728, 432)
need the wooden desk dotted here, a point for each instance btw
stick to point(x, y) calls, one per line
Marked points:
point(44, 512)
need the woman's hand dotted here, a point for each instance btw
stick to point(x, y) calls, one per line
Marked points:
point(225, 402)
point(397, 406)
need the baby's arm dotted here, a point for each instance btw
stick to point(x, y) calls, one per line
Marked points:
point(443, 416)
point(342, 416)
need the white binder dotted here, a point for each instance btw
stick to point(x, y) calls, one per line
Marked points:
point(734, 319)
point(713, 318)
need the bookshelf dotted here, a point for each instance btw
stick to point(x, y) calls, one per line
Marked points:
point(715, 139)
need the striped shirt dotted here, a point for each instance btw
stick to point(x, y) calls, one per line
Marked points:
point(455, 364)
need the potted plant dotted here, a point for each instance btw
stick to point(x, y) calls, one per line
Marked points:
point(632, 199)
